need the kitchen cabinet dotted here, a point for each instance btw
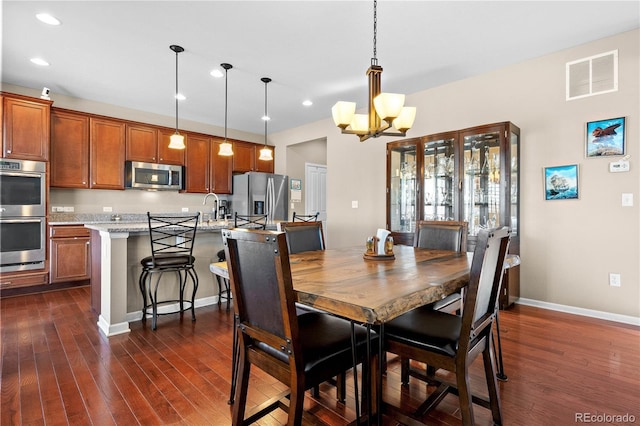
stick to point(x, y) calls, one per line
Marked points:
point(205, 170)
point(14, 280)
point(70, 253)
point(150, 144)
point(168, 155)
point(69, 149)
point(106, 151)
point(25, 127)
point(221, 169)
point(246, 158)
point(466, 175)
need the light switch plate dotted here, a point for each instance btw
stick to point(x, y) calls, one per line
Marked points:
point(627, 200)
point(354, 204)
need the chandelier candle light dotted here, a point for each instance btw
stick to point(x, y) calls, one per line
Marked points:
point(266, 153)
point(176, 141)
point(387, 114)
point(226, 148)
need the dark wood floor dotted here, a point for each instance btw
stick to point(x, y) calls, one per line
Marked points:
point(57, 369)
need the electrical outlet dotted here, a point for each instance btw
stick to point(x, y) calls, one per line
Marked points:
point(185, 209)
point(107, 209)
point(56, 209)
point(68, 209)
point(354, 204)
point(615, 280)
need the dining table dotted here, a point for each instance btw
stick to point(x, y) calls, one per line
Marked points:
point(372, 290)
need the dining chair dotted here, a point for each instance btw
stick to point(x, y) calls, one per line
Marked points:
point(301, 351)
point(171, 239)
point(452, 342)
point(303, 236)
point(305, 217)
point(443, 235)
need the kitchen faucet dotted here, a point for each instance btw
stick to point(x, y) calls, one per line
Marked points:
point(215, 207)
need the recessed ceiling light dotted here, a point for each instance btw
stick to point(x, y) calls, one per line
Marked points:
point(40, 62)
point(47, 19)
point(180, 97)
point(307, 103)
point(217, 73)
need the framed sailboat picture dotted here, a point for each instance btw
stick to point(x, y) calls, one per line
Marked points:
point(561, 182)
point(605, 137)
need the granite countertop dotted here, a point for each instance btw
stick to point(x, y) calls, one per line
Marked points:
point(132, 223)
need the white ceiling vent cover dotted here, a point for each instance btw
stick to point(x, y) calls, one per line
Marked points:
point(593, 75)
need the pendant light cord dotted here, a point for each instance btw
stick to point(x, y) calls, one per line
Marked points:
point(374, 60)
point(265, 80)
point(226, 71)
point(176, 95)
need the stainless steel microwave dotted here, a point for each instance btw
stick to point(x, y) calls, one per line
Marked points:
point(139, 175)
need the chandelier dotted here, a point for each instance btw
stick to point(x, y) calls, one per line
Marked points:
point(387, 114)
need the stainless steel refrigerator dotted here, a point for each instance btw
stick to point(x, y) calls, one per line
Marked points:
point(261, 193)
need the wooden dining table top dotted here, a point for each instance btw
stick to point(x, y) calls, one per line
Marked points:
point(342, 282)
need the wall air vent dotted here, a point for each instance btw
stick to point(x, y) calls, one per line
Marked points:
point(592, 76)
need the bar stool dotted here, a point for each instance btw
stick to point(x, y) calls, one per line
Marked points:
point(172, 239)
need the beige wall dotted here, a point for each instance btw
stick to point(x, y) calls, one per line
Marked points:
point(568, 248)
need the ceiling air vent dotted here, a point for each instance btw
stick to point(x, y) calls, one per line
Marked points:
point(593, 75)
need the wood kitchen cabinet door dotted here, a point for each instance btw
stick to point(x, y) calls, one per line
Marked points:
point(69, 149)
point(221, 169)
point(26, 128)
point(244, 157)
point(70, 253)
point(106, 148)
point(197, 164)
point(168, 155)
point(142, 143)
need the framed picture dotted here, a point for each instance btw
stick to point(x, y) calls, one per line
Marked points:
point(296, 184)
point(561, 182)
point(605, 137)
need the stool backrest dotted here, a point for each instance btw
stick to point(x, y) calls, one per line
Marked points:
point(255, 221)
point(305, 217)
point(172, 235)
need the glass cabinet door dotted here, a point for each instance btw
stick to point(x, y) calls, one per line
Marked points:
point(482, 198)
point(402, 169)
point(439, 171)
point(514, 196)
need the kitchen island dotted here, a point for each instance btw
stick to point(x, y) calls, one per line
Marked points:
point(120, 246)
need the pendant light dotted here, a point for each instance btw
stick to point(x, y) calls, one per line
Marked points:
point(266, 153)
point(176, 141)
point(226, 149)
point(387, 114)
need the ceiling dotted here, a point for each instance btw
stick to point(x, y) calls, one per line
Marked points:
point(117, 52)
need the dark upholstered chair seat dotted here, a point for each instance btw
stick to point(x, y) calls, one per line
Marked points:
point(325, 342)
point(441, 335)
point(167, 261)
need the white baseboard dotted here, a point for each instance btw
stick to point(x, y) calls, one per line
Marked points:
point(626, 319)
point(204, 301)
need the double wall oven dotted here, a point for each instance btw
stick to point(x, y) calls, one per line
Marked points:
point(23, 210)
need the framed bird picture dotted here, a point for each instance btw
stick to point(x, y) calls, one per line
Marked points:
point(605, 138)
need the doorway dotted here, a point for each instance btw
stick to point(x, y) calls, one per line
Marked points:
point(315, 183)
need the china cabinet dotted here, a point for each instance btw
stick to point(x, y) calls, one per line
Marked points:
point(467, 175)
